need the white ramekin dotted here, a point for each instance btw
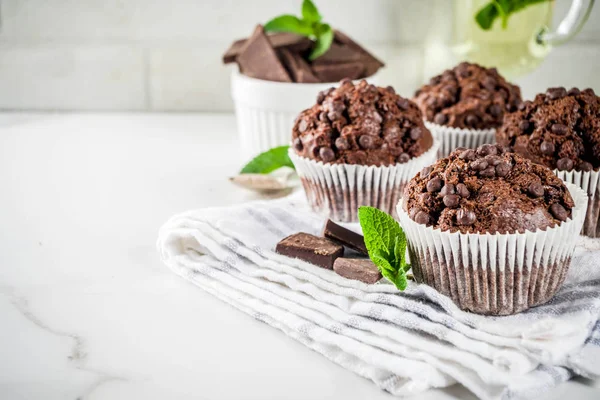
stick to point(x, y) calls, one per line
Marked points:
point(266, 110)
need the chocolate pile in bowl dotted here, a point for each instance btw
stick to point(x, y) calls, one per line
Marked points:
point(361, 124)
point(559, 129)
point(468, 96)
point(487, 190)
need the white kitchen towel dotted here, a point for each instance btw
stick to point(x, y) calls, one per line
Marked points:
point(404, 342)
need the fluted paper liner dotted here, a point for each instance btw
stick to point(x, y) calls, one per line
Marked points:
point(337, 190)
point(590, 183)
point(495, 274)
point(450, 138)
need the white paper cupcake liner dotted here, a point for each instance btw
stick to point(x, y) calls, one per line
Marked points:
point(590, 183)
point(495, 274)
point(337, 190)
point(450, 138)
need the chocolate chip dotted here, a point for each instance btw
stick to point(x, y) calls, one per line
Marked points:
point(315, 151)
point(493, 160)
point(402, 103)
point(523, 105)
point(367, 142)
point(377, 117)
point(585, 166)
point(425, 172)
point(465, 217)
point(434, 185)
point(390, 90)
point(448, 189)
point(536, 189)
point(323, 117)
point(559, 212)
point(502, 169)
point(341, 143)
point(440, 119)
point(547, 148)
point(556, 93)
point(564, 164)
point(495, 110)
point(413, 212)
point(573, 91)
point(462, 190)
point(321, 97)
point(345, 81)
point(489, 172)
point(416, 133)
point(451, 200)
point(487, 149)
point(298, 144)
point(524, 125)
point(425, 198)
point(403, 158)
point(479, 165)
point(422, 218)
point(489, 83)
point(336, 109)
point(468, 155)
point(302, 125)
point(471, 120)
point(559, 129)
point(326, 154)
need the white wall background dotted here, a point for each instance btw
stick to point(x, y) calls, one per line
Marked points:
point(166, 55)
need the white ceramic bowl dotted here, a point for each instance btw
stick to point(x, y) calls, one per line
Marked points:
point(266, 110)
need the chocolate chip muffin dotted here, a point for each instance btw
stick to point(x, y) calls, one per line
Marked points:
point(361, 124)
point(468, 96)
point(487, 190)
point(490, 229)
point(559, 129)
point(358, 146)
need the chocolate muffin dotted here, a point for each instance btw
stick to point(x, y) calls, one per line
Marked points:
point(559, 129)
point(487, 190)
point(468, 96)
point(358, 146)
point(361, 124)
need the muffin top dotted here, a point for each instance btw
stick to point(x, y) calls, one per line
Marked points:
point(487, 190)
point(361, 124)
point(468, 96)
point(559, 129)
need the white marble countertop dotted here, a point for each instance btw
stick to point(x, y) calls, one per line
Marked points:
point(89, 312)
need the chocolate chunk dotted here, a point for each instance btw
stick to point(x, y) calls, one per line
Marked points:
point(489, 172)
point(536, 189)
point(298, 69)
point(559, 129)
point(465, 217)
point(357, 269)
point(425, 172)
point(564, 164)
point(448, 189)
point(302, 125)
point(556, 93)
point(342, 143)
point(390, 89)
point(258, 59)
point(487, 150)
point(422, 218)
point(372, 64)
point(403, 104)
point(585, 166)
point(345, 237)
point(503, 169)
point(326, 154)
point(440, 119)
point(434, 185)
point(403, 158)
point(479, 165)
point(462, 190)
point(547, 148)
point(468, 155)
point(338, 54)
point(313, 249)
point(573, 91)
point(559, 212)
point(336, 72)
point(290, 41)
point(451, 200)
point(298, 144)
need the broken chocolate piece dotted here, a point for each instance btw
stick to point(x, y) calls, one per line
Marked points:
point(338, 53)
point(345, 237)
point(298, 69)
point(358, 269)
point(372, 64)
point(258, 59)
point(313, 249)
point(290, 41)
point(337, 72)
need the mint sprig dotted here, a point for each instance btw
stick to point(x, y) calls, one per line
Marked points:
point(309, 25)
point(487, 14)
point(269, 161)
point(386, 244)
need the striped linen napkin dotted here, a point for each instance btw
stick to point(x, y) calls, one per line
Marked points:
point(405, 342)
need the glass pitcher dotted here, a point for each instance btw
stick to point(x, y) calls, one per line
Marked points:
point(515, 48)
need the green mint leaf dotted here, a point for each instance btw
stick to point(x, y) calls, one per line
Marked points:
point(310, 12)
point(503, 9)
point(386, 244)
point(269, 161)
point(290, 23)
point(485, 17)
point(323, 43)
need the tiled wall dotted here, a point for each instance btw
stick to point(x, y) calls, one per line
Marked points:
point(159, 55)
